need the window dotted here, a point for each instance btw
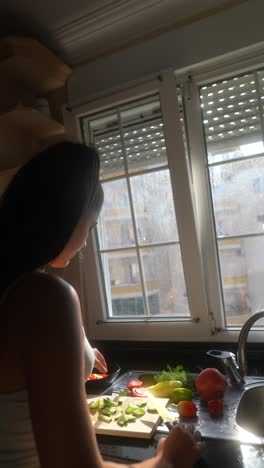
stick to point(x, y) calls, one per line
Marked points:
point(138, 241)
point(194, 151)
point(231, 113)
point(233, 117)
point(145, 249)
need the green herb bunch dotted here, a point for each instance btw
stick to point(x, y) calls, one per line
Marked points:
point(176, 373)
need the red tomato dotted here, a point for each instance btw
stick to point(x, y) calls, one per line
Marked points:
point(211, 384)
point(134, 384)
point(139, 392)
point(187, 409)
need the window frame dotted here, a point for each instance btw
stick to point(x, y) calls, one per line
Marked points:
point(94, 312)
point(213, 320)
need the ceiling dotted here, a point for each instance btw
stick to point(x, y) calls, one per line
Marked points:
point(83, 30)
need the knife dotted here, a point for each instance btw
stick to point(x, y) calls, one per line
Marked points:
point(165, 414)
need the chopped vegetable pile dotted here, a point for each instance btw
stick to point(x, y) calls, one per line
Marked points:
point(97, 376)
point(108, 410)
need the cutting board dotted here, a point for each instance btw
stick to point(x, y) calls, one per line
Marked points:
point(142, 428)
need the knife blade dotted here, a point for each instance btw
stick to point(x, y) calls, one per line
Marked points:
point(165, 414)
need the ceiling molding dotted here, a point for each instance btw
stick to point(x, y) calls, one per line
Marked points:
point(93, 37)
point(108, 16)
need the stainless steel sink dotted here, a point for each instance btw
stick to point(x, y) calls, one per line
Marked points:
point(250, 411)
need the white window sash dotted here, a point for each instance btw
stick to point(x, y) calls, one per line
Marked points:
point(203, 204)
point(203, 201)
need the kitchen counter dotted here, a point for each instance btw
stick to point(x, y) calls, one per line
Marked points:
point(131, 355)
point(219, 453)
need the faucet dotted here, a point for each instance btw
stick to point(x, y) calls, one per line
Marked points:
point(236, 366)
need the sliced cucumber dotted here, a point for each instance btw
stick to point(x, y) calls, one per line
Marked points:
point(142, 405)
point(105, 418)
point(130, 408)
point(138, 412)
point(106, 412)
point(94, 404)
point(151, 409)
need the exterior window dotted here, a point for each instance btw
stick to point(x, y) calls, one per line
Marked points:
point(232, 112)
point(180, 241)
point(137, 236)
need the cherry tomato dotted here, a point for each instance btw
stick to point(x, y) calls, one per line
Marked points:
point(134, 384)
point(215, 407)
point(139, 392)
point(187, 409)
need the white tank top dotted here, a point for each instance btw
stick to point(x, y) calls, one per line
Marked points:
point(17, 442)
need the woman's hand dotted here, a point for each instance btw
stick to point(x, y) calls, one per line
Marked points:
point(181, 449)
point(99, 361)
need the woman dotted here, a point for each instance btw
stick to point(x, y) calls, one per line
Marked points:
point(46, 214)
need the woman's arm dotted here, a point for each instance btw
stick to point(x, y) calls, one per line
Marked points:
point(92, 358)
point(99, 361)
point(89, 358)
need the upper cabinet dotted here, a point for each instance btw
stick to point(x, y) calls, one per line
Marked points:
point(32, 94)
point(29, 62)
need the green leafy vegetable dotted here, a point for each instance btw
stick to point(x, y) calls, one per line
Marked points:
point(176, 373)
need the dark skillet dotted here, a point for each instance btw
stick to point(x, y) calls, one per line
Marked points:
point(98, 386)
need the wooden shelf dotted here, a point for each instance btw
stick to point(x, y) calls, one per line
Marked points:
point(29, 120)
point(23, 132)
point(26, 61)
point(29, 71)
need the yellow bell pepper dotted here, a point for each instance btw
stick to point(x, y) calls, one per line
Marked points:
point(165, 389)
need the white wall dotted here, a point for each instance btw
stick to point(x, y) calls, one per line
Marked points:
point(230, 30)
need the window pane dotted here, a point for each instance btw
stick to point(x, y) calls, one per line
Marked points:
point(143, 135)
point(132, 151)
point(154, 207)
point(231, 118)
point(110, 149)
point(124, 288)
point(115, 225)
point(164, 280)
point(242, 271)
point(260, 75)
point(104, 132)
point(238, 197)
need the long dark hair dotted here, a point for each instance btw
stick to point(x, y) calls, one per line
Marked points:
point(42, 205)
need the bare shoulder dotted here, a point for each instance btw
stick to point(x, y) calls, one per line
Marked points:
point(43, 298)
point(40, 285)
